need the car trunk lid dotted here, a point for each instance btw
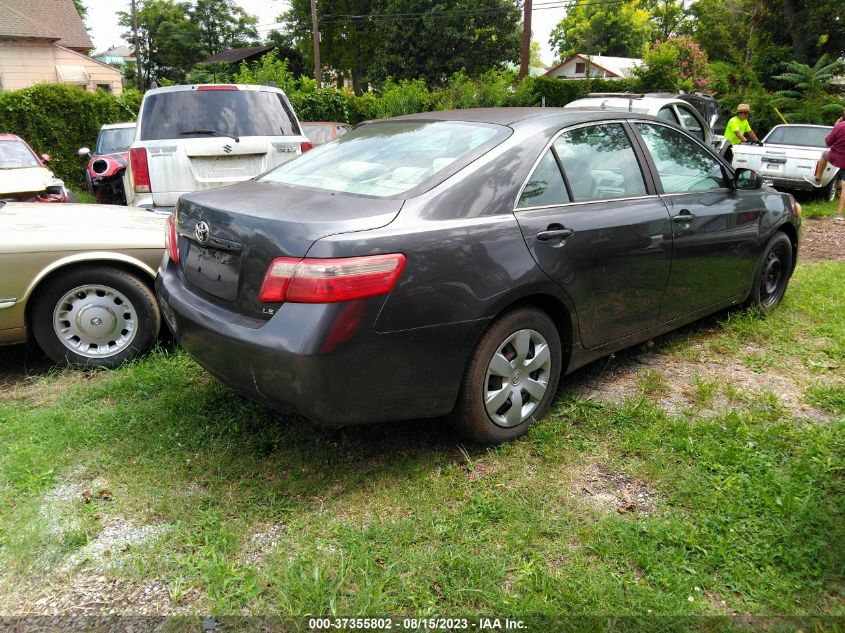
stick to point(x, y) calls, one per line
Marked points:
point(227, 238)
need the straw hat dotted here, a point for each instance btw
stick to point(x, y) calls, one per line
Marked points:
point(743, 107)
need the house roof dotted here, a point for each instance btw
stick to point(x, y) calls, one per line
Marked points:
point(116, 51)
point(56, 20)
point(617, 66)
point(237, 54)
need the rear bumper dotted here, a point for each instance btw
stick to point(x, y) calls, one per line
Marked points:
point(323, 361)
point(789, 183)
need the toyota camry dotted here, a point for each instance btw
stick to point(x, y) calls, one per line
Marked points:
point(461, 262)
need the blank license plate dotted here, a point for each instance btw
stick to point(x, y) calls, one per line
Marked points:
point(215, 272)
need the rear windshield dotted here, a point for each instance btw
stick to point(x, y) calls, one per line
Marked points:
point(798, 135)
point(167, 115)
point(115, 140)
point(390, 158)
point(15, 155)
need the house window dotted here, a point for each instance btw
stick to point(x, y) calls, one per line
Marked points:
point(580, 68)
point(104, 87)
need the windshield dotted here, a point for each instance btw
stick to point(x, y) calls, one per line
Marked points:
point(115, 140)
point(16, 155)
point(387, 159)
point(803, 136)
point(232, 112)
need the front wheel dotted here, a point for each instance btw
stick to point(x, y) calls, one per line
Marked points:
point(511, 377)
point(773, 274)
point(95, 317)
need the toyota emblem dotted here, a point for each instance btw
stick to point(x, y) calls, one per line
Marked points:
point(201, 232)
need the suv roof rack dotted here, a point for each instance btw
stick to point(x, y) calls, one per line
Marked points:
point(623, 95)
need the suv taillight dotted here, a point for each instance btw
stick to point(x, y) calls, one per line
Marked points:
point(171, 239)
point(306, 146)
point(140, 170)
point(330, 280)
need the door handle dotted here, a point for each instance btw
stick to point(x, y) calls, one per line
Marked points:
point(683, 217)
point(554, 234)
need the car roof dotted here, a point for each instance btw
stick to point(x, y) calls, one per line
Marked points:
point(116, 126)
point(824, 127)
point(510, 116)
point(634, 102)
point(190, 87)
point(10, 137)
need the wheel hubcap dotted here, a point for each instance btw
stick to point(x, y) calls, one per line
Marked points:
point(771, 279)
point(517, 378)
point(95, 321)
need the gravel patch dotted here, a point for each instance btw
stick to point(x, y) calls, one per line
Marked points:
point(116, 537)
point(609, 491)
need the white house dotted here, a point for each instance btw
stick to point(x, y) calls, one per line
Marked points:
point(581, 66)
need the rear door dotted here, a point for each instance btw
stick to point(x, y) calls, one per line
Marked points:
point(715, 228)
point(594, 225)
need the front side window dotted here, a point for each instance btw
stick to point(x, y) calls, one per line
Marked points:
point(16, 155)
point(682, 165)
point(599, 163)
point(388, 158)
point(545, 187)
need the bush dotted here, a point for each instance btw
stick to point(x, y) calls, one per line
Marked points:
point(57, 119)
point(559, 92)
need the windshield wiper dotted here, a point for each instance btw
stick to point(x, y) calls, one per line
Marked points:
point(211, 133)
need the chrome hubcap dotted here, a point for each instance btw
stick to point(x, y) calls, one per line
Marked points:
point(517, 378)
point(95, 321)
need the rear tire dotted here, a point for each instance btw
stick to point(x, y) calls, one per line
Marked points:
point(830, 191)
point(511, 377)
point(772, 274)
point(95, 317)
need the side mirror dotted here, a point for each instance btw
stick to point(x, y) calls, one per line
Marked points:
point(84, 152)
point(45, 158)
point(747, 179)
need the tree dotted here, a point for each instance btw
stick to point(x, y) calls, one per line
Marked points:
point(812, 28)
point(723, 28)
point(223, 24)
point(370, 40)
point(594, 28)
point(452, 35)
point(676, 64)
point(667, 17)
point(168, 40)
point(811, 97)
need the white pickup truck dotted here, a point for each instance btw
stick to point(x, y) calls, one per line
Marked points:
point(788, 153)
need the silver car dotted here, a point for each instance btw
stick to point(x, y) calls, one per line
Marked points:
point(78, 279)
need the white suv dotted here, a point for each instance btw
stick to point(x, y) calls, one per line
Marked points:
point(197, 137)
point(669, 108)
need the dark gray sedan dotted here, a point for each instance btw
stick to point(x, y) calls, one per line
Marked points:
point(460, 262)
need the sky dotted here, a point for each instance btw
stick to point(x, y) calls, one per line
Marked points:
point(104, 30)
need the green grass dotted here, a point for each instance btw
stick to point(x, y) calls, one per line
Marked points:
point(746, 508)
point(83, 195)
point(815, 208)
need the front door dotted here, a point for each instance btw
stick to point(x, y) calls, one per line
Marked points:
point(593, 225)
point(715, 227)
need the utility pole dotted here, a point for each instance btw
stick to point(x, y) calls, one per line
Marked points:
point(138, 68)
point(315, 34)
point(526, 40)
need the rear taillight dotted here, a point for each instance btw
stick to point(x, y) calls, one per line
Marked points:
point(330, 280)
point(171, 240)
point(140, 170)
point(216, 88)
point(306, 146)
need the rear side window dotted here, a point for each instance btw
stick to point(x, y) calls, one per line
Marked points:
point(545, 187)
point(689, 121)
point(390, 158)
point(600, 163)
point(681, 163)
point(667, 114)
point(174, 115)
